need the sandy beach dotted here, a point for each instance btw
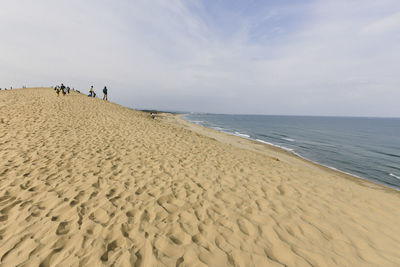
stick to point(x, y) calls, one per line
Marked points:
point(85, 182)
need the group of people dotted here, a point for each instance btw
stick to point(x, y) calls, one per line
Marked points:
point(93, 94)
point(66, 90)
point(63, 89)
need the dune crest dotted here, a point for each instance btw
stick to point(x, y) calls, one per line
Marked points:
point(84, 182)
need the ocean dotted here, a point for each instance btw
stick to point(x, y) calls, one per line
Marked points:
point(365, 147)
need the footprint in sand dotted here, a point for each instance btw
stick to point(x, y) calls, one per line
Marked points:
point(93, 194)
point(100, 216)
point(25, 185)
point(63, 228)
point(77, 198)
point(110, 247)
point(3, 218)
point(111, 193)
point(140, 190)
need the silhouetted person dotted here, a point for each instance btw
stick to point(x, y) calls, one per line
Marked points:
point(91, 92)
point(105, 93)
point(63, 89)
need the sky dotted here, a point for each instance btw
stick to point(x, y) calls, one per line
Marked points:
point(292, 57)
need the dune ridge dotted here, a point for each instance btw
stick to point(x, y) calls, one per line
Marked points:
point(84, 182)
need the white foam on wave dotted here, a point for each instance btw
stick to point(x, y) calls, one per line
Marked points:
point(242, 135)
point(286, 148)
point(265, 142)
point(395, 176)
point(271, 144)
point(288, 139)
point(300, 156)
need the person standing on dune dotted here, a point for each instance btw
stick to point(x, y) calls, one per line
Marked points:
point(63, 89)
point(105, 93)
point(91, 91)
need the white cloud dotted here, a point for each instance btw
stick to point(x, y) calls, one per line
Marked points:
point(164, 54)
point(387, 24)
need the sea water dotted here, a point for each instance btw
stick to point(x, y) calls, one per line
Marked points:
point(365, 147)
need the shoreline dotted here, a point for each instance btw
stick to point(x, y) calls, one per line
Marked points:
point(358, 179)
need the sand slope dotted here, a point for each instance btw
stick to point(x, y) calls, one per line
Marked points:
point(85, 182)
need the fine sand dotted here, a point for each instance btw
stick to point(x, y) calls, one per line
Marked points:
point(84, 182)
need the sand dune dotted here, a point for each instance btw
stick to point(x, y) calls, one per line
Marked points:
point(85, 182)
